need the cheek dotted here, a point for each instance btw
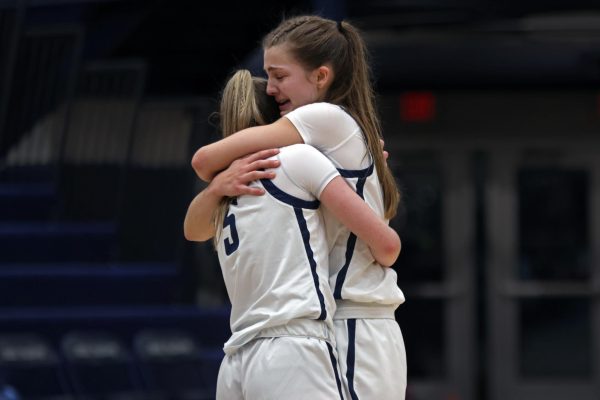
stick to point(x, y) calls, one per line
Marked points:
point(304, 94)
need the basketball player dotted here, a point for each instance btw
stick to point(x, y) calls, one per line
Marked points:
point(274, 258)
point(308, 60)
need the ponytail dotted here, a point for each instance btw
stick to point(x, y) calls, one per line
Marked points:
point(244, 103)
point(361, 104)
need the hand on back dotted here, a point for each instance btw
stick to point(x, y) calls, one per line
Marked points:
point(235, 180)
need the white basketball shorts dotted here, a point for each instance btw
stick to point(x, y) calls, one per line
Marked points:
point(372, 358)
point(284, 367)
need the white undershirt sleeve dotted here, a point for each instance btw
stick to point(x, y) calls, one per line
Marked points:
point(307, 168)
point(324, 126)
point(332, 131)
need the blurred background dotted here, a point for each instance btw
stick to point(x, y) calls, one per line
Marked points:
point(491, 114)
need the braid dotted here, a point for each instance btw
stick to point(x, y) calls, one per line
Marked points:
point(286, 27)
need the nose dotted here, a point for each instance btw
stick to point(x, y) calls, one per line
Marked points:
point(271, 89)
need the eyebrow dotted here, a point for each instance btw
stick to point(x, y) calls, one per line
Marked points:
point(273, 67)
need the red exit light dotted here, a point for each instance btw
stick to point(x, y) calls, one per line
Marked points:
point(417, 106)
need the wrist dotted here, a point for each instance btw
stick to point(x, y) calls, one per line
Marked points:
point(213, 193)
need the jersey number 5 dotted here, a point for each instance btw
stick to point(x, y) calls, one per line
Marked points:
point(231, 245)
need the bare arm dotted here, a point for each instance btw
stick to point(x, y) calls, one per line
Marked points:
point(231, 182)
point(197, 225)
point(212, 158)
point(360, 219)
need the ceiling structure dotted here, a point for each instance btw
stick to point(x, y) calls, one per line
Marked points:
point(191, 46)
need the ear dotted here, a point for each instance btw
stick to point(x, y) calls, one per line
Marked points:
point(324, 76)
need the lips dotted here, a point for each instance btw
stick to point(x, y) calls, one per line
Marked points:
point(284, 105)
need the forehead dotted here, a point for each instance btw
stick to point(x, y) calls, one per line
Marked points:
point(278, 57)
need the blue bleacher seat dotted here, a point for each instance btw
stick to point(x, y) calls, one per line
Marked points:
point(32, 367)
point(31, 242)
point(27, 201)
point(100, 367)
point(172, 363)
point(81, 283)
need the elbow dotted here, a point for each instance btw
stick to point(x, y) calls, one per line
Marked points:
point(188, 234)
point(191, 234)
point(390, 250)
point(200, 164)
point(194, 234)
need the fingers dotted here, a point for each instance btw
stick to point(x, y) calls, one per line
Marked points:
point(252, 191)
point(261, 155)
point(385, 153)
point(263, 164)
point(256, 175)
point(236, 179)
point(244, 186)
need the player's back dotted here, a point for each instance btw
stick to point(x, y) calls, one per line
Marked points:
point(273, 253)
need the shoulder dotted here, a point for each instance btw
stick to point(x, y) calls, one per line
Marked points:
point(305, 165)
point(321, 106)
point(299, 153)
point(317, 110)
point(323, 125)
point(303, 173)
point(321, 118)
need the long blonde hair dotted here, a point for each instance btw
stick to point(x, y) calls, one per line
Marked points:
point(244, 103)
point(315, 41)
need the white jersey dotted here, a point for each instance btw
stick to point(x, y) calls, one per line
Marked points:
point(355, 277)
point(273, 250)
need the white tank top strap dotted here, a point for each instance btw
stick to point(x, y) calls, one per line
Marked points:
point(347, 309)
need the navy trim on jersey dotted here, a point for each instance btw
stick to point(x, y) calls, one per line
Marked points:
point(356, 173)
point(288, 198)
point(341, 277)
point(350, 244)
point(311, 259)
point(335, 369)
point(350, 358)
